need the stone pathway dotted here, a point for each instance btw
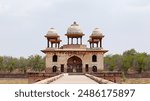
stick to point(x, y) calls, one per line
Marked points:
point(74, 79)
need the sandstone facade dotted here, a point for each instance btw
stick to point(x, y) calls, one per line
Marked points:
point(74, 57)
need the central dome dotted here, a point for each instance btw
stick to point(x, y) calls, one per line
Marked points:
point(74, 29)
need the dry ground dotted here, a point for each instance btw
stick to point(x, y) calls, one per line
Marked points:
point(136, 81)
point(13, 81)
point(25, 81)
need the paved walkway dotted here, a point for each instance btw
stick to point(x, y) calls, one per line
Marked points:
point(74, 79)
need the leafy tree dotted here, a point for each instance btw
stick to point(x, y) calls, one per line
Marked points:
point(147, 65)
point(23, 64)
point(108, 63)
point(113, 62)
point(130, 52)
point(9, 63)
point(129, 60)
point(126, 64)
point(36, 63)
point(1, 63)
point(118, 61)
point(141, 59)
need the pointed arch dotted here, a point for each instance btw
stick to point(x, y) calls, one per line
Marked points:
point(94, 69)
point(74, 64)
point(54, 69)
point(94, 58)
point(55, 58)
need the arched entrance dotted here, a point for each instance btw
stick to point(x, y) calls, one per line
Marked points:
point(74, 64)
point(94, 69)
point(54, 69)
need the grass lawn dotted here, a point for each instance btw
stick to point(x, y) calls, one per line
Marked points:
point(13, 81)
point(136, 81)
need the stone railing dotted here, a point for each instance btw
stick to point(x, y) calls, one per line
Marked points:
point(49, 80)
point(99, 80)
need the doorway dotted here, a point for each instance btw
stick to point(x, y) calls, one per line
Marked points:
point(74, 65)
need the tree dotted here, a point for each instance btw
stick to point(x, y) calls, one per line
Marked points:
point(23, 64)
point(126, 64)
point(36, 63)
point(141, 59)
point(9, 63)
point(147, 65)
point(128, 59)
point(108, 63)
point(130, 52)
point(118, 61)
point(1, 63)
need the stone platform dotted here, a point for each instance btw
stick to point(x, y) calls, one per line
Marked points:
point(74, 79)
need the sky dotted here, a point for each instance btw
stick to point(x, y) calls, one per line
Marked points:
point(23, 24)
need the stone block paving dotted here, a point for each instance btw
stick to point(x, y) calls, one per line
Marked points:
point(74, 79)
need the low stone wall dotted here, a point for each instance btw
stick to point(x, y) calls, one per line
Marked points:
point(113, 76)
point(137, 75)
point(99, 80)
point(35, 77)
point(13, 75)
point(49, 80)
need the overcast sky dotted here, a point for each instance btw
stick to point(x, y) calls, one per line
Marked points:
point(23, 23)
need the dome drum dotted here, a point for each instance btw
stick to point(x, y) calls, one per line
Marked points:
point(51, 36)
point(96, 37)
point(74, 35)
point(93, 41)
point(54, 41)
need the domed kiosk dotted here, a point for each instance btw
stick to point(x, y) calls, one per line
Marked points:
point(74, 57)
point(74, 36)
point(96, 38)
point(74, 31)
point(53, 38)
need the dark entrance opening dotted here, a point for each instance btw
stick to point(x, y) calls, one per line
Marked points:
point(62, 67)
point(86, 68)
point(94, 69)
point(94, 58)
point(55, 58)
point(54, 69)
point(74, 64)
